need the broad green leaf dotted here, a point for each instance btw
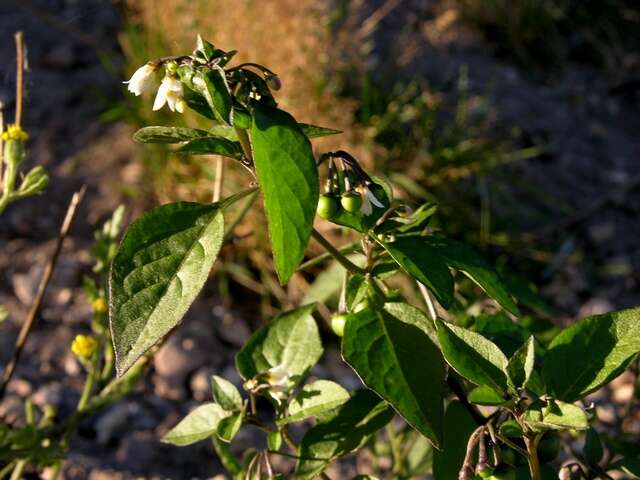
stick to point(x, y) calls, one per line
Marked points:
point(555, 415)
point(212, 146)
point(462, 257)
point(226, 394)
point(473, 356)
point(591, 353)
point(593, 450)
point(394, 353)
point(161, 265)
point(198, 104)
point(201, 423)
point(508, 335)
point(288, 177)
point(167, 134)
point(424, 264)
point(357, 419)
point(313, 131)
point(290, 341)
point(458, 427)
point(485, 395)
point(229, 426)
point(317, 398)
point(520, 366)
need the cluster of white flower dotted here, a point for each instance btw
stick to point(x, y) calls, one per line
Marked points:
point(170, 92)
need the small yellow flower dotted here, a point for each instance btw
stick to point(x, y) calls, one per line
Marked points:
point(14, 132)
point(99, 305)
point(84, 346)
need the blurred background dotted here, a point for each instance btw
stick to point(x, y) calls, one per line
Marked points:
point(520, 118)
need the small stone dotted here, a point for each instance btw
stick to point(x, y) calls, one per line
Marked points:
point(20, 387)
point(200, 384)
point(111, 422)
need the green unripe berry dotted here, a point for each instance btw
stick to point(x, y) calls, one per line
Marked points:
point(351, 202)
point(484, 470)
point(549, 447)
point(338, 322)
point(327, 206)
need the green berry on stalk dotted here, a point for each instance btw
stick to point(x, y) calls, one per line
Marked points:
point(338, 322)
point(549, 447)
point(351, 202)
point(327, 206)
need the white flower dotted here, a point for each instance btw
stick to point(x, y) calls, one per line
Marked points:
point(141, 80)
point(170, 92)
point(368, 198)
point(278, 379)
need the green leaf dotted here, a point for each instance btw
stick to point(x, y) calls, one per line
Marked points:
point(464, 258)
point(226, 394)
point(205, 47)
point(593, 450)
point(313, 131)
point(473, 356)
point(402, 337)
point(555, 415)
point(201, 423)
point(212, 146)
point(167, 134)
point(291, 341)
point(288, 177)
point(315, 399)
point(520, 366)
point(212, 84)
point(591, 353)
point(458, 427)
point(161, 265)
point(357, 419)
point(229, 427)
point(197, 103)
point(485, 395)
point(424, 264)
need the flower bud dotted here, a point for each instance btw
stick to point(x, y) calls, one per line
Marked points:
point(99, 305)
point(34, 182)
point(84, 347)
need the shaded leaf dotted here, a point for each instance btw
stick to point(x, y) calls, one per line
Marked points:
point(383, 347)
point(313, 131)
point(167, 134)
point(212, 84)
point(593, 450)
point(591, 353)
point(485, 395)
point(462, 257)
point(424, 264)
point(357, 419)
point(288, 177)
point(458, 427)
point(520, 366)
point(473, 356)
point(212, 146)
point(229, 426)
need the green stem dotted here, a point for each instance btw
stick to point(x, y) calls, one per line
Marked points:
point(348, 248)
point(227, 458)
point(396, 449)
point(18, 470)
point(335, 253)
point(241, 214)
point(7, 469)
point(532, 453)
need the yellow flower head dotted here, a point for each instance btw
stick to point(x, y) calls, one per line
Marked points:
point(84, 346)
point(99, 305)
point(14, 132)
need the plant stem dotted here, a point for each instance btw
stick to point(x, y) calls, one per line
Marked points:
point(18, 470)
point(335, 253)
point(396, 449)
point(348, 248)
point(217, 186)
point(19, 76)
point(532, 451)
point(7, 469)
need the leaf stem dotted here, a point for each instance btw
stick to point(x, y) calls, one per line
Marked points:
point(335, 253)
point(348, 248)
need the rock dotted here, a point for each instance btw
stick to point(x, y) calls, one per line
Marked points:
point(595, 306)
point(112, 422)
point(20, 387)
point(25, 285)
point(138, 449)
point(174, 362)
point(200, 384)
